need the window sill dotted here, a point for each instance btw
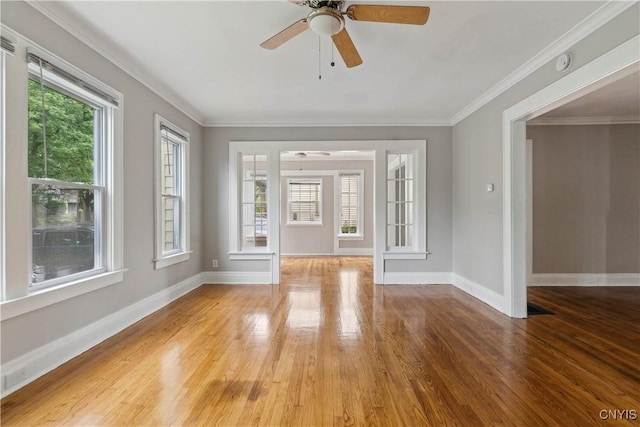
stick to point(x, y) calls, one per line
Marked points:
point(44, 297)
point(172, 259)
point(305, 224)
point(404, 255)
point(350, 237)
point(250, 256)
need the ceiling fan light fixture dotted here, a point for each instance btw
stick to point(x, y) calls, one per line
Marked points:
point(325, 21)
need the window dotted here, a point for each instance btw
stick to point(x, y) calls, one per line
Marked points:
point(254, 201)
point(70, 133)
point(5, 46)
point(400, 201)
point(304, 201)
point(350, 204)
point(171, 164)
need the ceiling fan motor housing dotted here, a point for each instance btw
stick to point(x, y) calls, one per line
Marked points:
point(325, 21)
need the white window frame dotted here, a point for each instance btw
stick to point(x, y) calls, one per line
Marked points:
point(99, 187)
point(164, 258)
point(252, 176)
point(2, 172)
point(314, 181)
point(359, 234)
point(410, 198)
point(18, 296)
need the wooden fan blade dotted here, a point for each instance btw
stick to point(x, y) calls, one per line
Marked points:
point(416, 15)
point(285, 35)
point(347, 49)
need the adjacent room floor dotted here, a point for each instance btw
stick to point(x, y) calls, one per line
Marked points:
point(326, 347)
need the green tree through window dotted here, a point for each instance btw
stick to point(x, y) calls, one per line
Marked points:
point(70, 129)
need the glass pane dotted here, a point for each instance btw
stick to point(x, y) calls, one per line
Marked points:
point(63, 232)
point(248, 236)
point(261, 189)
point(170, 164)
point(248, 191)
point(170, 224)
point(399, 213)
point(392, 190)
point(393, 162)
point(399, 236)
point(252, 237)
point(248, 213)
point(392, 217)
point(67, 152)
point(391, 236)
point(349, 204)
point(254, 198)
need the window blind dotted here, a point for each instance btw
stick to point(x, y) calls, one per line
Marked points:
point(168, 132)
point(349, 203)
point(304, 201)
point(7, 45)
point(43, 64)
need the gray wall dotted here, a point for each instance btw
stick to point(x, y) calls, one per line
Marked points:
point(308, 239)
point(586, 199)
point(477, 159)
point(216, 182)
point(32, 330)
point(296, 239)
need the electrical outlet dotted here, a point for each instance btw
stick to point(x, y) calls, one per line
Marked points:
point(15, 378)
point(214, 263)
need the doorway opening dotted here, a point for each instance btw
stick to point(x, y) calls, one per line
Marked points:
point(326, 203)
point(517, 248)
point(398, 202)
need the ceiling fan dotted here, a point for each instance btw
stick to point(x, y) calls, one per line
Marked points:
point(327, 19)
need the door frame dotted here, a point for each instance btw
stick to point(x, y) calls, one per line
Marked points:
point(380, 148)
point(516, 247)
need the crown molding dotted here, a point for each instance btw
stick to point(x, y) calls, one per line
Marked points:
point(574, 121)
point(425, 123)
point(56, 12)
point(591, 23)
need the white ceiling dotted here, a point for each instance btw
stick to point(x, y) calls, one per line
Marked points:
point(205, 57)
point(619, 99)
point(326, 155)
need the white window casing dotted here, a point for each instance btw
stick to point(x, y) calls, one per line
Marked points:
point(19, 296)
point(304, 201)
point(350, 205)
point(171, 165)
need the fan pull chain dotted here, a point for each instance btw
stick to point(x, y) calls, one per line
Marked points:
point(333, 64)
point(319, 61)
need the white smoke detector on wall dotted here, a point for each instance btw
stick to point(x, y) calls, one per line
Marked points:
point(563, 62)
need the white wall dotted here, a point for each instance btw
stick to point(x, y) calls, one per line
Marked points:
point(38, 328)
point(216, 192)
point(477, 160)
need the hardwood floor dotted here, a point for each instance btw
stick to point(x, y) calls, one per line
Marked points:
point(328, 348)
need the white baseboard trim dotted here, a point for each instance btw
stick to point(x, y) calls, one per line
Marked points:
point(237, 277)
point(416, 278)
point(480, 292)
point(585, 279)
point(21, 371)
